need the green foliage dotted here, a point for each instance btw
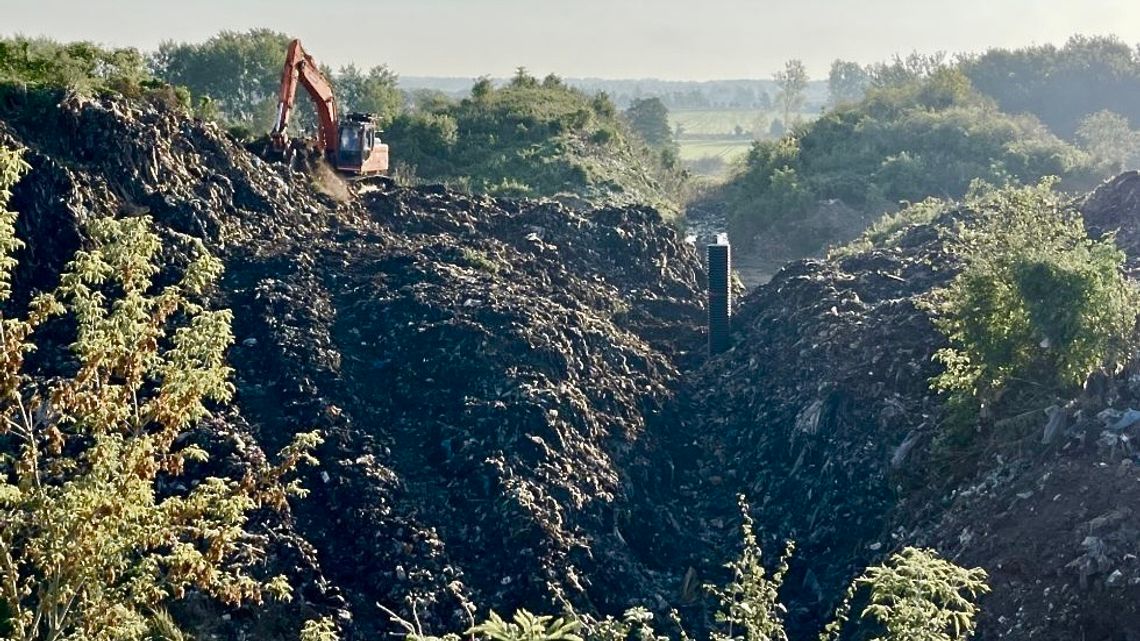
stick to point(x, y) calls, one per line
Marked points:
point(45, 66)
point(650, 119)
point(636, 624)
point(901, 71)
point(374, 92)
point(846, 83)
point(83, 66)
point(89, 547)
point(916, 596)
point(1110, 139)
point(527, 627)
point(1037, 300)
point(903, 142)
point(239, 72)
point(1062, 85)
point(12, 166)
point(531, 138)
point(750, 608)
point(322, 629)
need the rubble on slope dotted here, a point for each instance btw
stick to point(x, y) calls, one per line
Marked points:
point(484, 369)
point(518, 413)
point(826, 379)
point(822, 415)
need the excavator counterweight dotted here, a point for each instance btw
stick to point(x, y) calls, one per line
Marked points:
point(352, 144)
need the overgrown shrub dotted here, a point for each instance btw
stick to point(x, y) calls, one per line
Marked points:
point(928, 137)
point(83, 66)
point(914, 596)
point(1037, 300)
point(93, 540)
point(533, 138)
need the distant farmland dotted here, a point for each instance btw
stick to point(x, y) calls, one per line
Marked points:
point(726, 150)
point(720, 122)
point(723, 134)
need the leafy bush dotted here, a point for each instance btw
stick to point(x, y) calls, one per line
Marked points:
point(77, 65)
point(90, 546)
point(904, 142)
point(1036, 300)
point(915, 595)
point(532, 138)
point(44, 66)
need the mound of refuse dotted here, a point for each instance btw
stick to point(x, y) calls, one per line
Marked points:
point(483, 370)
point(822, 415)
point(518, 409)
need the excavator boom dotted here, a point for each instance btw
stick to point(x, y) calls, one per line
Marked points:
point(353, 145)
point(300, 68)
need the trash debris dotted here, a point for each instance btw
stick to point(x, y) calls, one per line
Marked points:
point(484, 370)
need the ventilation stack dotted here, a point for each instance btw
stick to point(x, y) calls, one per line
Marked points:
point(720, 295)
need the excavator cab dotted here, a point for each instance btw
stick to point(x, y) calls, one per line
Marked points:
point(359, 150)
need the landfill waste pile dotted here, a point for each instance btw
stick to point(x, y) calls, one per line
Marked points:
point(483, 370)
point(822, 415)
point(519, 411)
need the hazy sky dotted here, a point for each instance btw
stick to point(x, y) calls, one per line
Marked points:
point(675, 39)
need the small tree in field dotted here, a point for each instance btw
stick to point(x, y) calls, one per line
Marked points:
point(792, 80)
point(89, 547)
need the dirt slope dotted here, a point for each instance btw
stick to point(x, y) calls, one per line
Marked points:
point(484, 369)
point(519, 411)
point(822, 415)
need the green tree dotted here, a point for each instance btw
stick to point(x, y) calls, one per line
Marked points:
point(916, 596)
point(523, 80)
point(792, 80)
point(1037, 300)
point(649, 118)
point(482, 89)
point(240, 71)
point(91, 545)
point(1109, 137)
point(1062, 85)
point(374, 92)
point(847, 82)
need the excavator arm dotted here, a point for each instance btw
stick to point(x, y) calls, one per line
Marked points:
point(301, 68)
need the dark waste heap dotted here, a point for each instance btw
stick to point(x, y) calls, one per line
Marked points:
point(483, 369)
point(519, 410)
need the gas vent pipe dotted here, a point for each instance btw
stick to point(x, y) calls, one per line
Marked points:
point(720, 296)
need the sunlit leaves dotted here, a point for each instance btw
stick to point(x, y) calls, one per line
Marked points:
point(96, 533)
point(1036, 300)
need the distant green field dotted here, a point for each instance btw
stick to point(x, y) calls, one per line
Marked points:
point(728, 150)
point(722, 124)
point(724, 121)
point(720, 121)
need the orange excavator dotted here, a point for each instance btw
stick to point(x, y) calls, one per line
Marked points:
point(351, 144)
